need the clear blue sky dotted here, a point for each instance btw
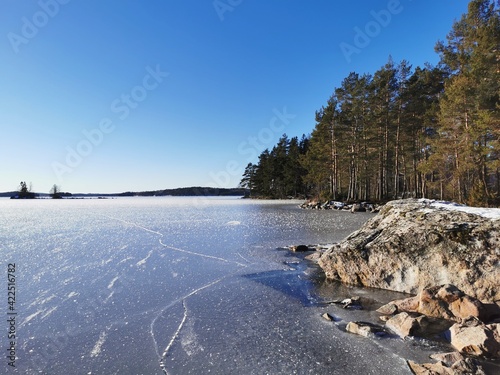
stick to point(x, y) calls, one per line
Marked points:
point(175, 93)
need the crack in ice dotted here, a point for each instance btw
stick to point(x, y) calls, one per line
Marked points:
point(183, 299)
point(172, 247)
point(174, 337)
point(162, 357)
point(201, 255)
point(96, 350)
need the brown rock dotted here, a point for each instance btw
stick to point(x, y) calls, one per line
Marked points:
point(476, 338)
point(446, 302)
point(327, 316)
point(467, 366)
point(448, 358)
point(403, 324)
point(364, 329)
point(430, 369)
point(466, 306)
point(449, 293)
point(388, 309)
point(407, 304)
point(463, 366)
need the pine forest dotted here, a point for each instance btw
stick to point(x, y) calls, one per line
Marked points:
point(401, 132)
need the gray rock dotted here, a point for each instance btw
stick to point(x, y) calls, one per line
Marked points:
point(388, 309)
point(300, 248)
point(410, 246)
point(356, 207)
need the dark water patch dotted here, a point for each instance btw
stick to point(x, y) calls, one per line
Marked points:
point(293, 282)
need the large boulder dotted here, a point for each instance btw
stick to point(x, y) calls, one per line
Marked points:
point(473, 337)
point(404, 324)
point(412, 245)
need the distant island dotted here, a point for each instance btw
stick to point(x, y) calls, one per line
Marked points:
point(189, 191)
point(179, 192)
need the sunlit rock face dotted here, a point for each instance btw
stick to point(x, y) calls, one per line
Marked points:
point(413, 244)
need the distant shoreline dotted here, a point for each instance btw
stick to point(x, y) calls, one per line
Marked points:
point(180, 192)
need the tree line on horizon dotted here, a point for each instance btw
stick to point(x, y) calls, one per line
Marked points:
point(432, 131)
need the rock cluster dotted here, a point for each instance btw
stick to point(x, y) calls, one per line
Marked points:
point(410, 246)
point(445, 302)
point(472, 325)
point(448, 364)
point(335, 205)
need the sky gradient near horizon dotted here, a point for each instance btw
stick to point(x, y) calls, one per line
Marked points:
point(113, 96)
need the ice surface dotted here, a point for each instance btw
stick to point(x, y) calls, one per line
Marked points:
point(182, 286)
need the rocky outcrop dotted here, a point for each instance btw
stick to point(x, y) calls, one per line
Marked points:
point(410, 246)
point(470, 325)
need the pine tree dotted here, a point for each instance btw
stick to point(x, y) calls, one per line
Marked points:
point(469, 119)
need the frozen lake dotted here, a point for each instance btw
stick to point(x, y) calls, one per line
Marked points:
point(182, 286)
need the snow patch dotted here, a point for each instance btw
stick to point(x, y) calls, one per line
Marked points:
point(143, 261)
point(31, 317)
point(125, 260)
point(49, 312)
point(109, 297)
point(98, 345)
point(112, 283)
point(490, 213)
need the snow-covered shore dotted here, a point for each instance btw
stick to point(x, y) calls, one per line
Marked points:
point(490, 213)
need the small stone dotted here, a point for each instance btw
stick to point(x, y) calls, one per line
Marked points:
point(403, 324)
point(352, 303)
point(389, 309)
point(327, 316)
point(364, 329)
point(448, 358)
point(314, 257)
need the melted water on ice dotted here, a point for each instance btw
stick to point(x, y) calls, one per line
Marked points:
point(182, 286)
